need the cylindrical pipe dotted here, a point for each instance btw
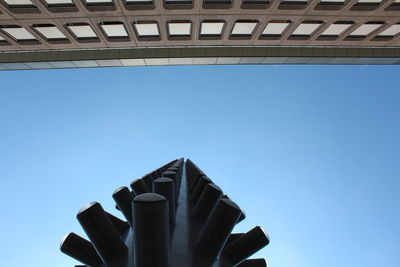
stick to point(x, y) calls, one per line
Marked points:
point(80, 249)
point(139, 187)
point(253, 263)
point(166, 187)
point(101, 232)
point(218, 227)
point(173, 176)
point(124, 198)
point(204, 181)
point(246, 245)
point(148, 180)
point(151, 230)
point(232, 238)
point(195, 181)
point(210, 196)
point(242, 217)
point(119, 225)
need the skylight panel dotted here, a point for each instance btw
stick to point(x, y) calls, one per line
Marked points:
point(369, 1)
point(82, 31)
point(332, 1)
point(336, 29)
point(306, 28)
point(177, 1)
point(212, 27)
point(391, 31)
point(19, 33)
point(147, 28)
point(294, 1)
point(256, 1)
point(179, 28)
point(49, 31)
point(98, 2)
point(365, 29)
point(59, 2)
point(217, 1)
point(244, 27)
point(19, 2)
point(114, 29)
point(275, 28)
point(139, 2)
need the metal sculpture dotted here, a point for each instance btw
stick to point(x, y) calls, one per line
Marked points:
point(176, 217)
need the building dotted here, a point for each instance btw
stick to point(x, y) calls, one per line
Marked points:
point(175, 217)
point(36, 34)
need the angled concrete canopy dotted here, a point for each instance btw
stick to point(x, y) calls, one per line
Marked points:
point(36, 34)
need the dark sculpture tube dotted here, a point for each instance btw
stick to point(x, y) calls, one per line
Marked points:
point(101, 232)
point(124, 198)
point(148, 180)
point(139, 187)
point(246, 245)
point(119, 225)
point(253, 263)
point(151, 230)
point(218, 227)
point(204, 181)
point(80, 249)
point(166, 187)
point(208, 199)
point(195, 181)
point(233, 237)
point(173, 176)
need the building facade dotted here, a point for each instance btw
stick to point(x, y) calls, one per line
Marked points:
point(37, 34)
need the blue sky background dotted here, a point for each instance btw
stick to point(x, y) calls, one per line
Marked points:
point(311, 153)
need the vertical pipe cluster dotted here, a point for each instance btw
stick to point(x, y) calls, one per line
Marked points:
point(150, 208)
point(218, 216)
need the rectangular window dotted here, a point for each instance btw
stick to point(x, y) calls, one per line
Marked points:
point(82, 31)
point(176, 28)
point(293, 4)
point(336, 29)
point(244, 28)
point(366, 5)
point(18, 33)
point(16, 3)
point(306, 28)
point(217, 3)
point(98, 2)
point(391, 31)
point(365, 29)
point(369, 1)
point(49, 31)
point(275, 28)
point(59, 2)
point(212, 28)
point(114, 29)
point(147, 29)
point(256, 2)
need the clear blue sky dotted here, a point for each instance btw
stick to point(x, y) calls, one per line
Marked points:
point(311, 153)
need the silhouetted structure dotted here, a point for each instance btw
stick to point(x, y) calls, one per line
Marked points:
point(176, 216)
